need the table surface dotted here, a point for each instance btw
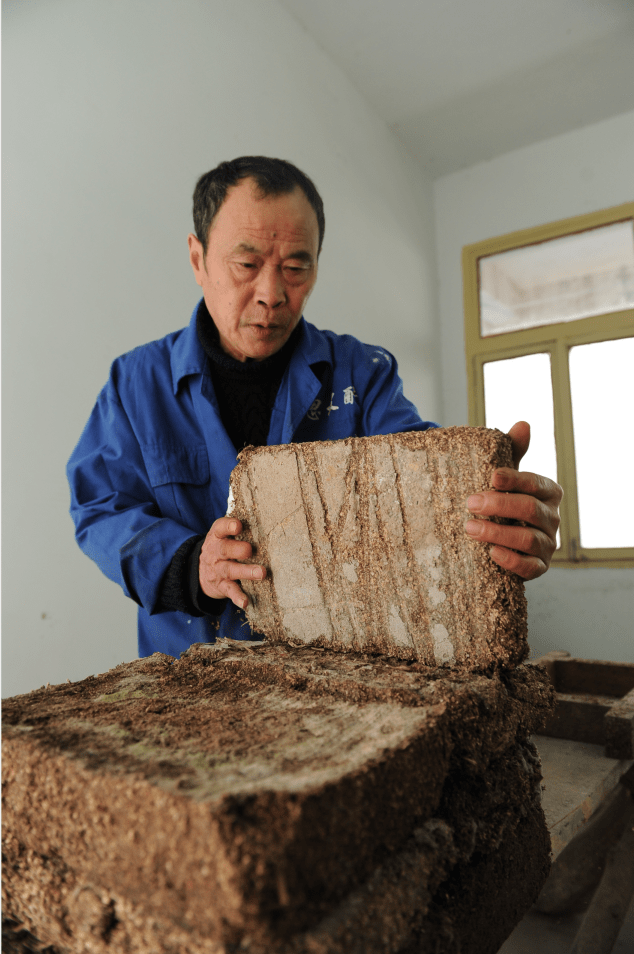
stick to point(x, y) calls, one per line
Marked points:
point(577, 777)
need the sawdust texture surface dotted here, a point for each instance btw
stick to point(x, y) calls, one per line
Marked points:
point(248, 794)
point(365, 546)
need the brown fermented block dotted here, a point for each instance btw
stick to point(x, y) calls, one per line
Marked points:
point(619, 728)
point(366, 549)
point(247, 797)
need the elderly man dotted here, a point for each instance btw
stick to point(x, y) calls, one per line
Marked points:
point(149, 477)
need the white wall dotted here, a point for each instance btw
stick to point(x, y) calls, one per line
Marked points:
point(589, 612)
point(111, 112)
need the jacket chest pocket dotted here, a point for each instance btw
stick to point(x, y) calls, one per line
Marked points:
point(180, 479)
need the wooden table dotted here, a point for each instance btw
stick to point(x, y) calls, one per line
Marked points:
point(578, 776)
point(587, 753)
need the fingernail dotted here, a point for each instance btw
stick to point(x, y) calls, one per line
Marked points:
point(500, 555)
point(473, 528)
point(502, 480)
point(234, 528)
point(475, 502)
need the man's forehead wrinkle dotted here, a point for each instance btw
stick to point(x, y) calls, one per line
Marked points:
point(301, 254)
point(245, 247)
point(289, 233)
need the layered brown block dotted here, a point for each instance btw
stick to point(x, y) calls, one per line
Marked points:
point(251, 797)
point(364, 540)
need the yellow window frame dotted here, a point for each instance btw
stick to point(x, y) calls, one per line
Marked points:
point(556, 339)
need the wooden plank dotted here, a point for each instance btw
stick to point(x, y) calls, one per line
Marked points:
point(548, 662)
point(578, 719)
point(578, 778)
point(594, 676)
point(603, 919)
point(619, 729)
point(589, 704)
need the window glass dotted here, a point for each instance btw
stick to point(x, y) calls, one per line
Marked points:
point(520, 389)
point(563, 279)
point(603, 422)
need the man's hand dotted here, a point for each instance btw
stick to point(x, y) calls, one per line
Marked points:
point(219, 569)
point(519, 495)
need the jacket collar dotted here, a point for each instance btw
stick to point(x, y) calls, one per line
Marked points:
point(188, 356)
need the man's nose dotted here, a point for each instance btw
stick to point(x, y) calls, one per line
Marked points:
point(270, 288)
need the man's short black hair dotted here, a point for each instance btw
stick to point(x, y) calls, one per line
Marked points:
point(272, 177)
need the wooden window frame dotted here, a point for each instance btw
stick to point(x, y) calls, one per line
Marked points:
point(557, 339)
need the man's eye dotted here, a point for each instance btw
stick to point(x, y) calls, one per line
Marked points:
point(247, 264)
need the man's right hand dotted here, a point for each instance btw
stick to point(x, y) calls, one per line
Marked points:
point(219, 569)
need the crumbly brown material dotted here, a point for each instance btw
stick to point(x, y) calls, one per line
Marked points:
point(252, 797)
point(366, 550)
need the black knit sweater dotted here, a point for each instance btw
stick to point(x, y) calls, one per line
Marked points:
point(245, 392)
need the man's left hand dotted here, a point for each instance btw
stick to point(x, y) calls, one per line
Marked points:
point(518, 495)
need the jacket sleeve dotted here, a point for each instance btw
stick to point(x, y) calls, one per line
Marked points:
point(386, 410)
point(118, 522)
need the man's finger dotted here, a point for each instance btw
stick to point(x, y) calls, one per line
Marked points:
point(527, 540)
point(520, 435)
point(510, 506)
point(230, 549)
point(528, 567)
point(241, 571)
point(232, 570)
point(524, 482)
point(234, 593)
point(226, 527)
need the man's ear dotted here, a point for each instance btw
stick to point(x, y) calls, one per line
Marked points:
point(196, 257)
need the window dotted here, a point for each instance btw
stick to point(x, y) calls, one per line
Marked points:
point(549, 331)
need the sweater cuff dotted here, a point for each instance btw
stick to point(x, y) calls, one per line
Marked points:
point(180, 589)
point(204, 605)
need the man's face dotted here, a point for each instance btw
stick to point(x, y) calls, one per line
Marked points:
point(260, 268)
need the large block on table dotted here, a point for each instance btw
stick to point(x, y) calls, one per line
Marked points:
point(365, 546)
point(248, 797)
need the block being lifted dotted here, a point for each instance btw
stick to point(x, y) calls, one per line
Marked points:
point(366, 550)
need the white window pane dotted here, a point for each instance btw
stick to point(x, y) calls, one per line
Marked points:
point(603, 412)
point(520, 389)
point(575, 276)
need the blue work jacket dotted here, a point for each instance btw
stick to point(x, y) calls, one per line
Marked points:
point(152, 466)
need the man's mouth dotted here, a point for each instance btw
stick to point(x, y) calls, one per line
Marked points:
point(261, 329)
